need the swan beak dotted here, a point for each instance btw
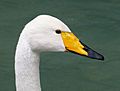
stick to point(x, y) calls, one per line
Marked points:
point(73, 45)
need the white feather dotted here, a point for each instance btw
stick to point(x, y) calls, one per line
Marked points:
point(38, 35)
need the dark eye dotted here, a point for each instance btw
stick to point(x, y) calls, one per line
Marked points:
point(58, 31)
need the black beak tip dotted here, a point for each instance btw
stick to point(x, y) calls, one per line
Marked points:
point(100, 58)
point(93, 54)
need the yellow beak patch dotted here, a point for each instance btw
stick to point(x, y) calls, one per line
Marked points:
point(72, 43)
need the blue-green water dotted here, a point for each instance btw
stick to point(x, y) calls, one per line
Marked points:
point(96, 22)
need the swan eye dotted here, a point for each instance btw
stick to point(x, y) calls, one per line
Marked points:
point(58, 31)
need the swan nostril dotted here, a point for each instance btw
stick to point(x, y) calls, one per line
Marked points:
point(85, 49)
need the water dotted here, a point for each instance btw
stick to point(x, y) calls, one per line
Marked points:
point(95, 22)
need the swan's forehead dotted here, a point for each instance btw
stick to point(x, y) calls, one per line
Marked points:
point(52, 22)
point(45, 24)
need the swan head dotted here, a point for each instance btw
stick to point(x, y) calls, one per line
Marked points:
point(47, 33)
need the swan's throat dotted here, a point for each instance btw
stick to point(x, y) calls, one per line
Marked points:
point(26, 68)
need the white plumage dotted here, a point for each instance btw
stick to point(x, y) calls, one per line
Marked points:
point(42, 34)
point(37, 36)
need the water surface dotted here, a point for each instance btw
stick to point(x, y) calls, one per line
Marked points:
point(95, 22)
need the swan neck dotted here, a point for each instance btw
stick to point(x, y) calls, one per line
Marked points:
point(26, 68)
